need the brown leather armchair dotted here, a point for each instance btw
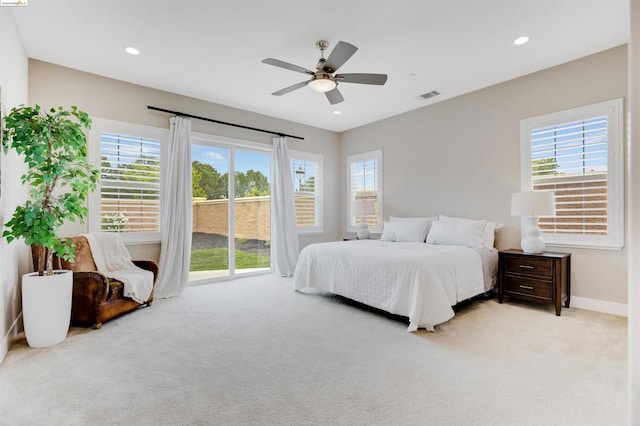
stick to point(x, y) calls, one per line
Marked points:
point(96, 298)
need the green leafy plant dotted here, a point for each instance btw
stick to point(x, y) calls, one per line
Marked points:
point(54, 146)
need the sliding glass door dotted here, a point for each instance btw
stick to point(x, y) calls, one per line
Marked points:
point(252, 211)
point(210, 239)
point(231, 217)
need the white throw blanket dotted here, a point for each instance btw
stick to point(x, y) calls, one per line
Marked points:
point(113, 260)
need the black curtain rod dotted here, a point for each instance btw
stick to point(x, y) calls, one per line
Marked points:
point(222, 122)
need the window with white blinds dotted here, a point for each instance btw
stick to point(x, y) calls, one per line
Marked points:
point(577, 154)
point(129, 183)
point(364, 174)
point(306, 174)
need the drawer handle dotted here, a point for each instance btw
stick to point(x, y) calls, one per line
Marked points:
point(527, 287)
point(526, 266)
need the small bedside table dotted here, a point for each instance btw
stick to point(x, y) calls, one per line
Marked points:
point(542, 277)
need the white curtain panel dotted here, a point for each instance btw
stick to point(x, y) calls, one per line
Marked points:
point(175, 211)
point(284, 237)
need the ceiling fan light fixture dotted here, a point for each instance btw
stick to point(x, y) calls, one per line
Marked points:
point(322, 84)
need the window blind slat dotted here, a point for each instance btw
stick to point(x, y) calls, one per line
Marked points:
point(571, 160)
point(593, 123)
point(305, 173)
point(560, 154)
point(130, 183)
point(364, 186)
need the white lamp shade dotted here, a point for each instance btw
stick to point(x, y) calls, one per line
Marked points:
point(538, 203)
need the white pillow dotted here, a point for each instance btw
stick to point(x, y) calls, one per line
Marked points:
point(412, 219)
point(466, 233)
point(404, 232)
point(429, 220)
point(443, 218)
point(488, 233)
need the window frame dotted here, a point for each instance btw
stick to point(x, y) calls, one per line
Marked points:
point(613, 110)
point(355, 158)
point(99, 126)
point(318, 190)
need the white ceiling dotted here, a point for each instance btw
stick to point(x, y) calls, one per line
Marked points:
point(212, 50)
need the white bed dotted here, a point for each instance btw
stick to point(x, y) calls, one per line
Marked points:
point(413, 279)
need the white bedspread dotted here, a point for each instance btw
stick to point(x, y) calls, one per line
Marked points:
point(417, 280)
point(113, 260)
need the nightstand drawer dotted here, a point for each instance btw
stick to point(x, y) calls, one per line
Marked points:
point(529, 266)
point(526, 287)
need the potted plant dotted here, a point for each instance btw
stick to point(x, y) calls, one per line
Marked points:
point(53, 144)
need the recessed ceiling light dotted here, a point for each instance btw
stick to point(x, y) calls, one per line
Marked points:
point(337, 112)
point(521, 40)
point(132, 50)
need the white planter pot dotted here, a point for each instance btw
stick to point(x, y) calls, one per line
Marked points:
point(46, 307)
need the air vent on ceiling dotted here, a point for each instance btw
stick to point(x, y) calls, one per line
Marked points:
point(431, 94)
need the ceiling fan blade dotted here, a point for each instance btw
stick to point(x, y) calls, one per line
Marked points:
point(334, 96)
point(286, 65)
point(340, 54)
point(377, 79)
point(290, 88)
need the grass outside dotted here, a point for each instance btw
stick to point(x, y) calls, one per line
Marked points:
point(218, 259)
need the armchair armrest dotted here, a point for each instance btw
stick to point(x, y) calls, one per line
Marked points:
point(90, 289)
point(92, 284)
point(149, 265)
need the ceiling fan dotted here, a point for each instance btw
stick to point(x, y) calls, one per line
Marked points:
point(323, 78)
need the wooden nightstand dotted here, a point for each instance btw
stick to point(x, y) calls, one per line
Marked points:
point(543, 277)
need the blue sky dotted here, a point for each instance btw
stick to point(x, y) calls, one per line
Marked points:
point(244, 160)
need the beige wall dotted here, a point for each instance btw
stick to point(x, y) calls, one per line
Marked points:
point(14, 258)
point(461, 156)
point(634, 216)
point(52, 85)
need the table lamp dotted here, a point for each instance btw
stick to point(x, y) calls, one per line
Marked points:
point(531, 205)
point(363, 208)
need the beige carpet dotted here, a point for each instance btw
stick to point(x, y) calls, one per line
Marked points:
point(253, 351)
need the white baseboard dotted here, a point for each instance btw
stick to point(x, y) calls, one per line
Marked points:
point(620, 309)
point(4, 346)
point(8, 338)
